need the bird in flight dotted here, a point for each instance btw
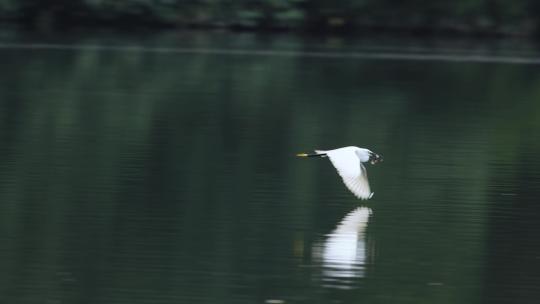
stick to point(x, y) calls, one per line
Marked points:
point(348, 163)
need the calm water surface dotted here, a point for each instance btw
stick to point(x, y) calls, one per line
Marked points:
point(161, 169)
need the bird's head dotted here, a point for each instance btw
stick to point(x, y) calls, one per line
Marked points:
point(375, 158)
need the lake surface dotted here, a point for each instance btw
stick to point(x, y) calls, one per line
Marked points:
point(161, 169)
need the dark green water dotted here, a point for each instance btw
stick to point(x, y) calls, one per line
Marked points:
point(162, 170)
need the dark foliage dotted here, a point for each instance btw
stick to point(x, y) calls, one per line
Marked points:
point(416, 16)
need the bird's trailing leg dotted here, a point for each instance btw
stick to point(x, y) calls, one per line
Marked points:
point(311, 155)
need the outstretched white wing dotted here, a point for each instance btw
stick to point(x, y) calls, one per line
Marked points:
point(351, 170)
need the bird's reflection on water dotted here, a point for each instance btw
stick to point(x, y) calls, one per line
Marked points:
point(343, 254)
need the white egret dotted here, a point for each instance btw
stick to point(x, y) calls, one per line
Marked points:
point(348, 162)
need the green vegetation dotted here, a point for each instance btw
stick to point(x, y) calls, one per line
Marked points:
point(415, 16)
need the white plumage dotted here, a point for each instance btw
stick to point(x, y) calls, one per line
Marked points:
point(348, 162)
